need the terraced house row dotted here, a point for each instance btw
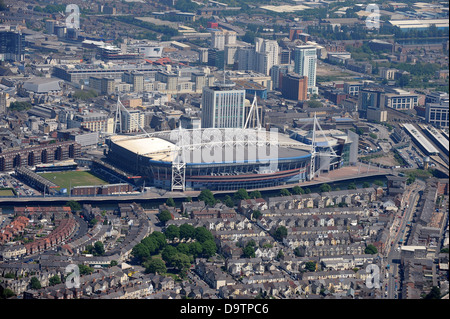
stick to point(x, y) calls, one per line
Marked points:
point(16, 227)
point(63, 230)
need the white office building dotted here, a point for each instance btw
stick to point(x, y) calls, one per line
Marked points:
point(223, 106)
point(267, 55)
point(305, 59)
point(220, 38)
point(132, 120)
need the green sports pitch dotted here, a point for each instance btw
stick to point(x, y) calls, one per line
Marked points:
point(70, 179)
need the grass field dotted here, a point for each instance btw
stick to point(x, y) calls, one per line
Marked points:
point(73, 178)
point(6, 192)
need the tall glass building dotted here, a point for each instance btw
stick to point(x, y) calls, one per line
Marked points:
point(12, 45)
point(305, 63)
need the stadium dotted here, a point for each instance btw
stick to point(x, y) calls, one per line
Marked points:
point(216, 159)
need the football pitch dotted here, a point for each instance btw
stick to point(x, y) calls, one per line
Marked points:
point(71, 179)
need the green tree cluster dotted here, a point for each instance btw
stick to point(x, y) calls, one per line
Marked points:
point(20, 106)
point(177, 256)
point(208, 197)
point(371, 249)
point(280, 233)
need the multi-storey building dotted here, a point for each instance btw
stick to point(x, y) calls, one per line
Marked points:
point(132, 120)
point(305, 58)
point(246, 58)
point(134, 78)
point(266, 55)
point(437, 114)
point(402, 100)
point(12, 45)
point(220, 38)
point(95, 122)
point(294, 86)
point(277, 72)
point(223, 106)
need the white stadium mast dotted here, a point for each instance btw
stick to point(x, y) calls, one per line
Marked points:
point(330, 151)
point(118, 118)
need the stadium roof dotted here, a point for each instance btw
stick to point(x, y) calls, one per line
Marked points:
point(163, 147)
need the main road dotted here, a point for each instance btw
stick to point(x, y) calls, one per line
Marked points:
point(349, 173)
point(397, 236)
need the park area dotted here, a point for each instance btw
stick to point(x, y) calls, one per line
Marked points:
point(70, 179)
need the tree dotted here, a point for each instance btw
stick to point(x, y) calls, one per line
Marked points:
point(7, 293)
point(366, 185)
point(183, 248)
point(351, 186)
point(241, 194)
point(151, 244)
point(256, 214)
point(168, 253)
point(298, 252)
point(403, 80)
point(113, 263)
point(280, 233)
point(229, 201)
point(248, 251)
point(208, 197)
point(285, 192)
point(307, 190)
point(202, 234)
point(371, 249)
point(314, 104)
point(35, 283)
point(172, 232)
point(310, 266)
point(209, 248)
point(435, 293)
point(55, 280)
point(93, 222)
point(85, 270)
point(99, 248)
point(255, 194)
point(195, 249)
point(164, 216)
point(378, 183)
point(297, 190)
point(20, 106)
point(325, 188)
point(170, 202)
point(187, 231)
point(155, 265)
point(181, 262)
point(186, 6)
point(140, 252)
point(74, 206)
point(159, 238)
